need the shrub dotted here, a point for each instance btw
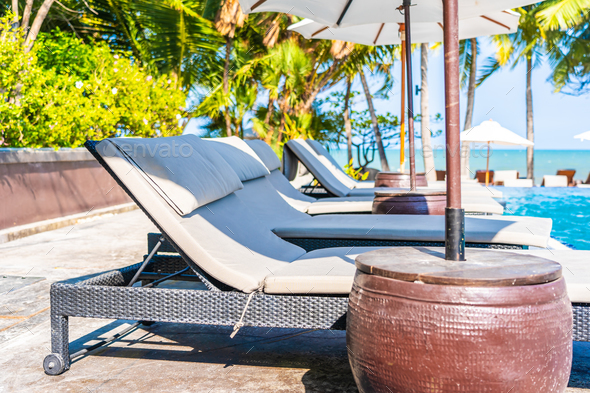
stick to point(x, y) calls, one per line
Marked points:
point(66, 91)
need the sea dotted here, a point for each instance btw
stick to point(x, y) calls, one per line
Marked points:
point(547, 162)
point(568, 207)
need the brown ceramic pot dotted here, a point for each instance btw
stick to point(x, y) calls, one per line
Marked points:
point(415, 202)
point(415, 337)
point(399, 180)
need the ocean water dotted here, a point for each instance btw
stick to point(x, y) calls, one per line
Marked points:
point(569, 208)
point(547, 162)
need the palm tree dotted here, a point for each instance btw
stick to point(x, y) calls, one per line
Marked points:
point(425, 116)
point(468, 60)
point(567, 28)
point(347, 120)
point(528, 45)
point(228, 18)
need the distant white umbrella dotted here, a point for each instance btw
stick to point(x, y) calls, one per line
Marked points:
point(490, 132)
point(585, 136)
point(493, 23)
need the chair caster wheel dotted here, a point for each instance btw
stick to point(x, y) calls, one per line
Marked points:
point(54, 364)
point(147, 323)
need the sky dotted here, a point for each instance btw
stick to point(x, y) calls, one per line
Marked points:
point(557, 117)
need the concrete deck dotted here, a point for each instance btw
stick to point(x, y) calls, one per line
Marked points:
point(163, 357)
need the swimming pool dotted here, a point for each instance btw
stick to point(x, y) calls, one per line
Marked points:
point(568, 207)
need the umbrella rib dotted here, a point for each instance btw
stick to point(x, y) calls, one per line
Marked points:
point(343, 12)
point(494, 21)
point(319, 31)
point(441, 26)
point(258, 4)
point(378, 33)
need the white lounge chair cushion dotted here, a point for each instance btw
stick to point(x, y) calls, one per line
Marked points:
point(325, 271)
point(285, 188)
point(555, 181)
point(526, 183)
point(365, 205)
point(530, 231)
point(505, 175)
point(184, 172)
point(265, 153)
point(240, 157)
point(341, 205)
point(576, 270)
point(224, 238)
point(309, 158)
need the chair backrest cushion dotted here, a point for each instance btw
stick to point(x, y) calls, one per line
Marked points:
point(240, 157)
point(181, 169)
point(309, 158)
point(329, 162)
point(265, 153)
point(224, 238)
point(505, 175)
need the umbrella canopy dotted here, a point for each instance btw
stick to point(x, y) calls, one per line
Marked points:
point(583, 136)
point(493, 23)
point(491, 131)
point(343, 13)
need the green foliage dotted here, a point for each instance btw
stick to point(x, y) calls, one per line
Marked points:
point(65, 92)
point(355, 173)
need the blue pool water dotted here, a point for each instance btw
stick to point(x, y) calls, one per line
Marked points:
point(568, 207)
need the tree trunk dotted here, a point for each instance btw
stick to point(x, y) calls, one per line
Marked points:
point(27, 15)
point(530, 133)
point(425, 116)
point(465, 146)
point(268, 118)
point(347, 121)
point(380, 148)
point(228, 45)
point(15, 12)
point(36, 26)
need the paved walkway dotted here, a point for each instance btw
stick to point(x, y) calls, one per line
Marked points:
point(163, 357)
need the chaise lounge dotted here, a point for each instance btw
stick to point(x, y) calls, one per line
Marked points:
point(251, 277)
point(332, 205)
point(334, 180)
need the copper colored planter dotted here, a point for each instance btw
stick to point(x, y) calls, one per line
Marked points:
point(399, 180)
point(406, 336)
point(415, 202)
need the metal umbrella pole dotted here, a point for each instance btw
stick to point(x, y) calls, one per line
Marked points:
point(408, 44)
point(454, 214)
point(402, 136)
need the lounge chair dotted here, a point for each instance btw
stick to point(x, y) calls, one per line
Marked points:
point(570, 175)
point(481, 177)
point(330, 179)
point(554, 181)
point(501, 176)
point(262, 198)
point(363, 204)
point(585, 184)
point(252, 278)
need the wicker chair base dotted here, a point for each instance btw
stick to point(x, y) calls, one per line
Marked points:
point(107, 296)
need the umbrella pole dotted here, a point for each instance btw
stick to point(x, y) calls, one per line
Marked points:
point(408, 42)
point(454, 215)
point(488, 166)
point(402, 147)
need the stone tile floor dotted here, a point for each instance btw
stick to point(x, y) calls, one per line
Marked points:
point(162, 357)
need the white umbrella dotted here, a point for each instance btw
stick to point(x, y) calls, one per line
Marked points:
point(343, 13)
point(585, 136)
point(493, 23)
point(489, 132)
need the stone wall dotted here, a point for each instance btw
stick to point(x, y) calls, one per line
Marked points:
point(42, 184)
